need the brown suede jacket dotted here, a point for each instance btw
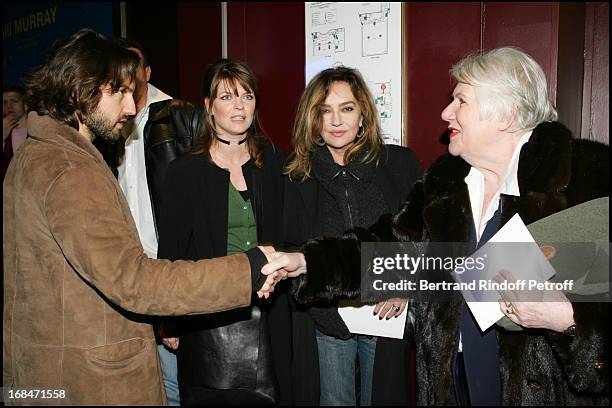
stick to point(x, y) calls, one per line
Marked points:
point(76, 280)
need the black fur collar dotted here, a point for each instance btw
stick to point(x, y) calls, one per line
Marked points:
point(544, 172)
point(542, 165)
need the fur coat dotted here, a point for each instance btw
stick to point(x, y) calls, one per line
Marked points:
point(538, 367)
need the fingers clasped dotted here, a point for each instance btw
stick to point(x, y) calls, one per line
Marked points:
point(281, 265)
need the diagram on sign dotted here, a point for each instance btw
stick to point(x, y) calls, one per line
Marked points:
point(384, 103)
point(375, 31)
point(324, 17)
point(382, 98)
point(331, 41)
point(363, 35)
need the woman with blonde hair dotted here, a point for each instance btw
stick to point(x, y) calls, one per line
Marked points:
point(225, 197)
point(341, 175)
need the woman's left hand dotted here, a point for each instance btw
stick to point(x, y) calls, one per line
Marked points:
point(390, 308)
point(557, 316)
point(556, 313)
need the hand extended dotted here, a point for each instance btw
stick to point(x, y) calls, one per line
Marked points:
point(281, 265)
point(293, 264)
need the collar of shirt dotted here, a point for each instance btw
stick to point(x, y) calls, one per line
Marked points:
point(475, 182)
point(155, 95)
point(133, 176)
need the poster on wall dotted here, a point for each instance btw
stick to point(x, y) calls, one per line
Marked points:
point(366, 36)
point(30, 28)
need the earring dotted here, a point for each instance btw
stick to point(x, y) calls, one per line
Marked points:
point(320, 141)
point(361, 132)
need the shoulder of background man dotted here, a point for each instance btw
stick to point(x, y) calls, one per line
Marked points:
point(172, 119)
point(158, 110)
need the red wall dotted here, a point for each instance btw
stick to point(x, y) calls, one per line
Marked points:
point(533, 27)
point(437, 35)
point(596, 91)
point(199, 44)
point(270, 38)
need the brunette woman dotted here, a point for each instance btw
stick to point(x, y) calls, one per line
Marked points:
point(225, 197)
point(341, 176)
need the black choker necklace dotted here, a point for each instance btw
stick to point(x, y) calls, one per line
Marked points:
point(227, 142)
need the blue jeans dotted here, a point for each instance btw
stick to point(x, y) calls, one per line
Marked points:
point(167, 361)
point(337, 369)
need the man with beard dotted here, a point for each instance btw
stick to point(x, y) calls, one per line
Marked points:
point(162, 129)
point(77, 281)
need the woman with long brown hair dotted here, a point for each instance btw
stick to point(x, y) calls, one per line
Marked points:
point(341, 176)
point(225, 197)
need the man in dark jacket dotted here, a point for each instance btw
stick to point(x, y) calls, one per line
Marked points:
point(162, 129)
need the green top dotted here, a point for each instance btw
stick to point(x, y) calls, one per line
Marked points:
point(241, 226)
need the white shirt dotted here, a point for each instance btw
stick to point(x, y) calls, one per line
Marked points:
point(133, 176)
point(476, 184)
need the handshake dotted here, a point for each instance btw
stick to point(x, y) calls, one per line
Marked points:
point(281, 265)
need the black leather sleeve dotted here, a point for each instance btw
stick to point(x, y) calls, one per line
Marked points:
point(172, 128)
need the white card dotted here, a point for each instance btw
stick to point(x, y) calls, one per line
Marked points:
point(533, 266)
point(359, 319)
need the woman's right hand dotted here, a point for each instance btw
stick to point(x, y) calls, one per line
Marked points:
point(281, 265)
point(293, 264)
point(171, 342)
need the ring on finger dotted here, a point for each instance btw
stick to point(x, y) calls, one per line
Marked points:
point(509, 308)
point(396, 308)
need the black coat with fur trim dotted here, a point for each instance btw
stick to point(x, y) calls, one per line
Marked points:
point(538, 367)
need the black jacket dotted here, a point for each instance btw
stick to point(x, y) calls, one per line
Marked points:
point(395, 175)
point(172, 127)
point(194, 226)
point(538, 367)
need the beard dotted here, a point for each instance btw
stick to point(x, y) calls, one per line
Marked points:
point(101, 126)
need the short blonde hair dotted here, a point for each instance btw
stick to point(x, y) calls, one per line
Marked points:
point(306, 132)
point(507, 82)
